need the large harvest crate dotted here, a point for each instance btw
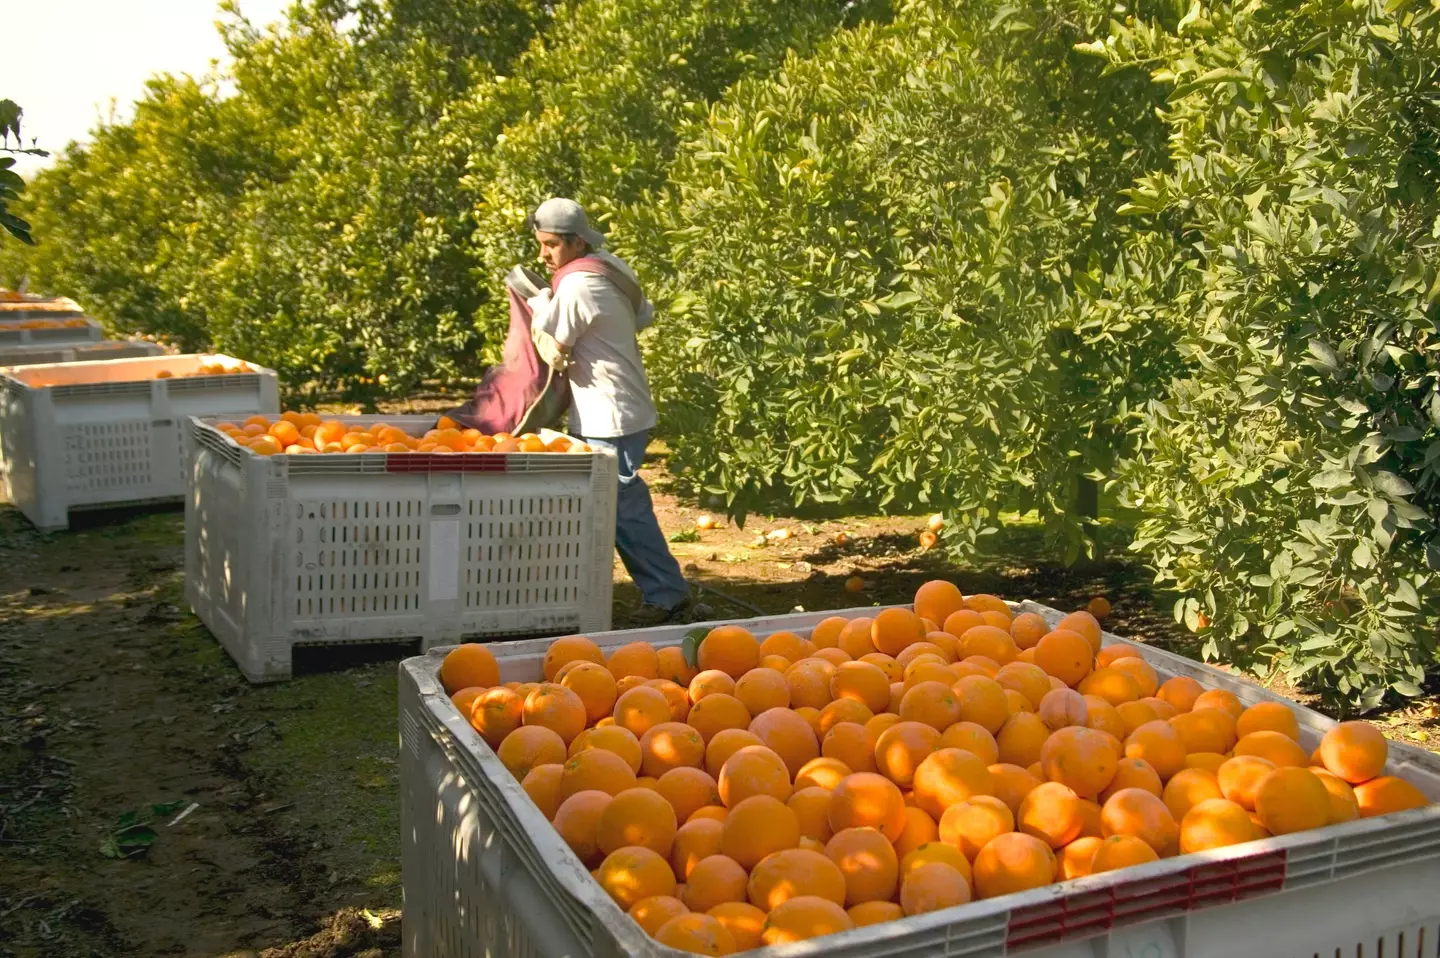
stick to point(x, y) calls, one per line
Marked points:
point(89, 435)
point(303, 550)
point(26, 330)
point(486, 875)
point(78, 353)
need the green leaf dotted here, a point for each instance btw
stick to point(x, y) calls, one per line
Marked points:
point(1391, 484)
point(690, 646)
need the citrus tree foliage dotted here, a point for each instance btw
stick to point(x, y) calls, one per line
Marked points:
point(1290, 478)
point(897, 274)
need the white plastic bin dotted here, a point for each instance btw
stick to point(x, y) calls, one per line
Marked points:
point(486, 875)
point(78, 353)
point(16, 329)
point(103, 434)
point(287, 551)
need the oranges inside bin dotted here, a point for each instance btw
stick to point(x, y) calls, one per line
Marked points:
point(308, 434)
point(740, 804)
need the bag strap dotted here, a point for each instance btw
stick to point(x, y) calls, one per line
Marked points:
point(593, 264)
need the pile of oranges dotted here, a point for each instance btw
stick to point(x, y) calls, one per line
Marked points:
point(798, 786)
point(305, 433)
point(209, 369)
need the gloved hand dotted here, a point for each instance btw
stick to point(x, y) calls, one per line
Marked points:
point(554, 355)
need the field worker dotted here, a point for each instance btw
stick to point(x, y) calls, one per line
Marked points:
point(591, 322)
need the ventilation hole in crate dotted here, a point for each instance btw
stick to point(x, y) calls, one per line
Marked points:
point(102, 457)
point(357, 557)
point(524, 552)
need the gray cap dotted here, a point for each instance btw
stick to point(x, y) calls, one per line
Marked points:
point(560, 215)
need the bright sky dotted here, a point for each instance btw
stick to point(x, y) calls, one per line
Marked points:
point(65, 60)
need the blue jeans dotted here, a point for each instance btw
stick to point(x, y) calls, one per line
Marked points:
point(638, 538)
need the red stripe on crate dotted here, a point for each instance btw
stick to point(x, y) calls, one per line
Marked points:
point(460, 462)
point(1201, 886)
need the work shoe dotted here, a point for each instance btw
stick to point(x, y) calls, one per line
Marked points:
point(651, 615)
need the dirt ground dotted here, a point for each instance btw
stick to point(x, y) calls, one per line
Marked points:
point(264, 820)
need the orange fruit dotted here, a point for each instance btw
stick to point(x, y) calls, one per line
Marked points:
point(1275, 746)
point(1160, 745)
point(947, 776)
point(901, 748)
point(1215, 823)
point(637, 816)
point(812, 718)
point(758, 826)
point(1063, 707)
point(931, 703)
point(826, 634)
point(823, 772)
point(1344, 806)
point(529, 746)
point(971, 824)
point(761, 689)
point(1240, 779)
point(787, 645)
point(1081, 758)
point(1121, 851)
point(1066, 655)
point(874, 913)
point(1051, 813)
point(1136, 714)
point(985, 602)
point(730, 649)
point(1387, 794)
point(809, 682)
point(1209, 761)
point(1027, 679)
point(1028, 629)
point(1268, 717)
point(577, 821)
point(743, 920)
point(1181, 692)
point(920, 829)
point(641, 708)
point(811, 805)
point(850, 743)
point(863, 682)
point(1022, 739)
point(1292, 800)
point(867, 799)
point(1139, 670)
point(713, 881)
point(714, 813)
point(1099, 607)
point(929, 669)
point(569, 649)
point(1133, 773)
point(1085, 624)
point(726, 743)
point(971, 738)
point(928, 647)
point(676, 695)
point(596, 770)
point(1163, 710)
point(961, 621)
point(1011, 863)
point(989, 641)
point(854, 639)
point(694, 842)
point(594, 685)
point(787, 735)
point(751, 771)
point(611, 738)
point(543, 787)
point(1090, 817)
point(804, 917)
point(1078, 857)
point(982, 701)
point(1354, 751)
point(867, 862)
point(496, 713)
point(937, 600)
point(895, 629)
point(653, 912)
point(793, 872)
point(715, 713)
point(630, 875)
point(933, 886)
point(1012, 783)
point(469, 666)
point(1138, 813)
point(846, 710)
point(1205, 729)
point(710, 682)
point(1189, 788)
point(670, 745)
point(1112, 685)
point(635, 658)
point(1220, 699)
point(670, 664)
